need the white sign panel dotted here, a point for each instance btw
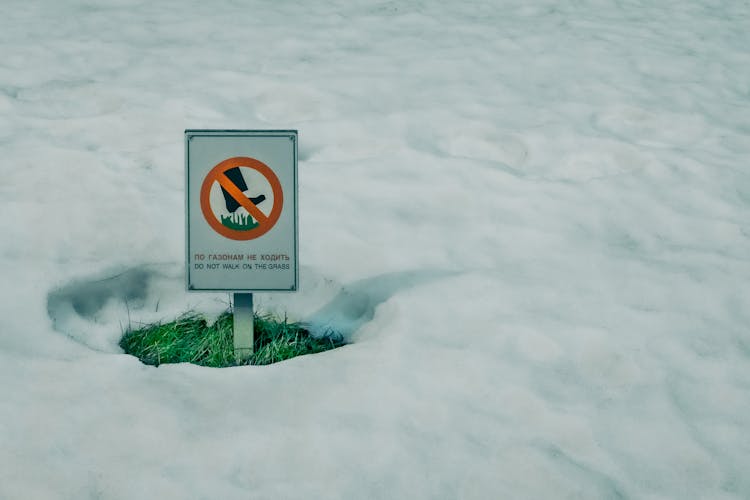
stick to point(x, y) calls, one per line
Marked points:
point(241, 204)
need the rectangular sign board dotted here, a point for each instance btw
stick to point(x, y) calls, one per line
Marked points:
point(241, 210)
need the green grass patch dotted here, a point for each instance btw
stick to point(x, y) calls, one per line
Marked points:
point(190, 339)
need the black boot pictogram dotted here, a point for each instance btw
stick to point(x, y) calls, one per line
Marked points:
point(235, 175)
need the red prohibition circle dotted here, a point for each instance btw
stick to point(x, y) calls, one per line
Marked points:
point(266, 222)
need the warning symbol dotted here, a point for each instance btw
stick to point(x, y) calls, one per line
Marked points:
point(241, 198)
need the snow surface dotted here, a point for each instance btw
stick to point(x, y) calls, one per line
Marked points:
point(531, 219)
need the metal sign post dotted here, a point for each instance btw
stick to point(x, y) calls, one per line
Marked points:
point(243, 327)
point(241, 225)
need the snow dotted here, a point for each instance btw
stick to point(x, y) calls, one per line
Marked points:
point(530, 219)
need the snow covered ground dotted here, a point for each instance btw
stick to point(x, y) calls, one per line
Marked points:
point(531, 218)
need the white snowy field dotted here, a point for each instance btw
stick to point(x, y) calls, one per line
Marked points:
point(530, 218)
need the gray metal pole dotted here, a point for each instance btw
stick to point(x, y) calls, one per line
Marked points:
point(243, 326)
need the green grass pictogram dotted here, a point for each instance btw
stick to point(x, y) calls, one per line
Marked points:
point(239, 222)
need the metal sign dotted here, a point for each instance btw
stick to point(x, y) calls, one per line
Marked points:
point(241, 204)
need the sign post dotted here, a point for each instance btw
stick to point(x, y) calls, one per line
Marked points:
point(241, 218)
point(243, 326)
